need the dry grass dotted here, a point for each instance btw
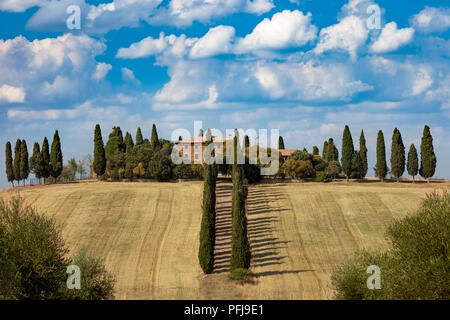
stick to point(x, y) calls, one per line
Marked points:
point(147, 233)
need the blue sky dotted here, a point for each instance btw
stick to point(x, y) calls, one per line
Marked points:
point(304, 67)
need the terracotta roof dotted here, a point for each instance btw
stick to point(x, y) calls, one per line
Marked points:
point(287, 152)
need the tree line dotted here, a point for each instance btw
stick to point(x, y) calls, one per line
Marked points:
point(354, 163)
point(123, 158)
point(43, 163)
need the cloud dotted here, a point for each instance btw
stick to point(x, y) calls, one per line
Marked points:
point(128, 76)
point(19, 6)
point(431, 20)
point(285, 29)
point(392, 38)
point(308, 81)
point(182, 13)
point(422, 80)
point(216, 41)
point(52, 69)
point(99, 19)
point(101, 71)
point(328, 128)
point(349, 34)
point(144, 48)
point(9, 94)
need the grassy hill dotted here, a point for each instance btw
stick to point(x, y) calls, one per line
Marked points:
point(147, 233)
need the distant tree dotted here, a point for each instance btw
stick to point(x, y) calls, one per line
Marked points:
point(45, 155)
point(56, 157)
point(180, 138)
point(347, 152)
point(115, 153)
point(17, 157)
point(381, 168)
point(332, 153)
point(246, 142)
point(36, 163)
point(363, 154)
point(324, 150)
point(200, 133)
point(81, 170)
point(280, 143)
point(357, 166)
point(9, 164)
point(129, 144)
point(413, 162)
point(139, 138)
point(397, 155)
point(73, 167)
point(160, 166)
point(333, 168)
point(24, 161)
point(99, 165)
point(154, 139)
point(139, 171)
point(315, 151)
point(427, 156)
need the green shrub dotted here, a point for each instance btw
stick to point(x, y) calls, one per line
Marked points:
point(33, 259)
point(321, 176)
point(417, 265)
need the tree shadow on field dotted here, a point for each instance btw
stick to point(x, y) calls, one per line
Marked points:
point(265, 246)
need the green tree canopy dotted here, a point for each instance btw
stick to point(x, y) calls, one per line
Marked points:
point(427, 156)
point(45, 155)
point(381, 168)
point(363, 154)
point(24, 161)
point(99, 165)
point(347, 152)
point(9, 163)
point(397, 155)
point(56, 157)
point(139, 138)
point(413, 161)
point(17, 161)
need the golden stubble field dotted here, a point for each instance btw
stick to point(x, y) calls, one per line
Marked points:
point(147, 233)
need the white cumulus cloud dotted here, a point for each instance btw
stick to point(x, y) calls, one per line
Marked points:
point(10, 94)
point(349, 34)
point(216, 41)
point(285, 29)
point(431, 19)
point(19, 5)
point(392, 38)
point(101, 71)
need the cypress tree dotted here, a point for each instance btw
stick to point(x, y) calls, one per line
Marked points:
point(363, 154)
point(381, 166)
point(324, 150)
point(240, 246)
point(36, 163)
point(246, 142)
point(155, 139)
point(129, 144)
point(427, 156)
point(9, 164)
point(413, 162)
point(45, 155)
point(17, 161)
point(99, 164)
point(280, 143)
point(315, 151)
point(332, 152)
point(200, 133)
point(207, 229)
point(24, 164)
point(56, 157)
point(180, 138)
point(139, 138)
point(397, 155)
point(357, 166)
point(347, 152)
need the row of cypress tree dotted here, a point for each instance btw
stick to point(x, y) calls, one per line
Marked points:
point(208, 224)
point(43, 163)
point(354, 163)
